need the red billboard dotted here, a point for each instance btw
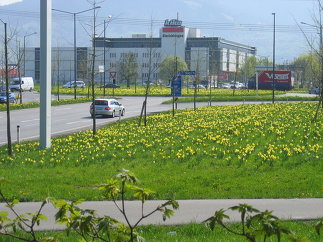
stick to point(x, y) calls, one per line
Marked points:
point(283, 77)
point(222, 77)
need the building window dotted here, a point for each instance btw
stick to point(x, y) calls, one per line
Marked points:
point(113, 55)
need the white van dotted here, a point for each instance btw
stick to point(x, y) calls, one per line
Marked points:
point(27, 84)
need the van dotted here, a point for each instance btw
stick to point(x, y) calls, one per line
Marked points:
point(27, 84)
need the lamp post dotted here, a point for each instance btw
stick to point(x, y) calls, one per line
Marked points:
point(7, 88)
point(27, 35)
point(20, 91)
point(104, 23)
point(75, 53)
point(274, 39)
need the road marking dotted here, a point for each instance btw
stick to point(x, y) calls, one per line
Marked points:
point(30, 120)
point(59, 109)
point(82, 121)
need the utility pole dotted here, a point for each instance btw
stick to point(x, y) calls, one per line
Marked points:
point(45, 73)
point(274, 39)
point(7, 89)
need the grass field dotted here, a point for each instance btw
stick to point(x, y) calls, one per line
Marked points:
point(196, 232)
point(241, 151)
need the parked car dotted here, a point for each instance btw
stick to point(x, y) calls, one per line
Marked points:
point(70, 84)
point(226, 86)
point(314, 90)
point(107, 107)
point(199, 86)
point(3, 97)
point(110, 85)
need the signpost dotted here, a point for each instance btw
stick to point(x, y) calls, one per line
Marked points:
point(177, 86)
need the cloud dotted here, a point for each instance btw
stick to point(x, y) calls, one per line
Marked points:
point(227, 17)
point(8, 2)
point(191, 3)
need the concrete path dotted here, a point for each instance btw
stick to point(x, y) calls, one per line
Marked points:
point(190, 211)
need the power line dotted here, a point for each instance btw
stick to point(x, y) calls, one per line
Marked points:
point(191, 24)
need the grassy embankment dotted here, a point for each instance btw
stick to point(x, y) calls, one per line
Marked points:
point(195, 232)
point(242, 151)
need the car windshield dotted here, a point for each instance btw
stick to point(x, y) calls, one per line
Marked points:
point(16, 82)
point(3, 94)
point(101, 102)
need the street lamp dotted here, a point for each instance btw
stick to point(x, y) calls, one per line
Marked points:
point(27, 35)
point(274, 39)
point(75, 54)
point(104, 42)
point(7, 88)
point(20, 91)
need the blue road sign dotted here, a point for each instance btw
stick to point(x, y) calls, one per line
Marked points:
point(186, 73)
point(177, 86)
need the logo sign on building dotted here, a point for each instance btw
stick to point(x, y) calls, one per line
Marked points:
point(113, 74)
point(172, 22)
point(177, 87)
point(173, 28)
point(186, 73)
point(222, 77)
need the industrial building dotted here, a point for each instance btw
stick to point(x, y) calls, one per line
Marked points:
point(209, 56)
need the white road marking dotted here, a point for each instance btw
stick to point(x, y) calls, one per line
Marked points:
point(82, 121)
point(30, 120)
point(59, 109)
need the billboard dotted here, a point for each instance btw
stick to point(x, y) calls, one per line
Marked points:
point(283, 77)
point(222, 77)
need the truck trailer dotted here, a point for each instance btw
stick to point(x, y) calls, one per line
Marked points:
point(263, 80)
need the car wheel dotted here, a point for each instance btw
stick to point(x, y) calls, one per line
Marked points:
point(30, 89)
point(113, 114)
point(122, 112)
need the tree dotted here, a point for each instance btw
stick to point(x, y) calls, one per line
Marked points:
point(318, 51)
point(128, 67)
point(310, 64)
point(248, 69)
point(167, 67)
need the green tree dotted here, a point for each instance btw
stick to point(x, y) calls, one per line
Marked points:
point(310, 69)
point(128, 67)
point(168, 67)
point(248, 69)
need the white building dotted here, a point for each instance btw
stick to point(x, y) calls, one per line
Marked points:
point(206, 55)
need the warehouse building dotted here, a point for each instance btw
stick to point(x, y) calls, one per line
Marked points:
point(209, 56)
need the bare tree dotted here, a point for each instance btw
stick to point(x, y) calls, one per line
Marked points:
point(319, 52)
point(153, 55)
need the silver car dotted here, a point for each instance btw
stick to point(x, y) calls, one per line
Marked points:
point(107, 107)
point(72, 84)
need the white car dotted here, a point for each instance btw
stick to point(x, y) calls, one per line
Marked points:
point(107, 107)
point(71, 84)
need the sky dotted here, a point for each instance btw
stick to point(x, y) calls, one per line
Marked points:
point(249, 22)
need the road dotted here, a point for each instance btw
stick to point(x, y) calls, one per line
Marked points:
point(190, 211)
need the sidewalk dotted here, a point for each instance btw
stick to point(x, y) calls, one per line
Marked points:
point(190, 211)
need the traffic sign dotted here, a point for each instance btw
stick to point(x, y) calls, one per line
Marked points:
point(186, 73)
point(176, 86)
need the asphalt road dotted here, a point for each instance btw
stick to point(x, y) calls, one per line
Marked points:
point(190, 211)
